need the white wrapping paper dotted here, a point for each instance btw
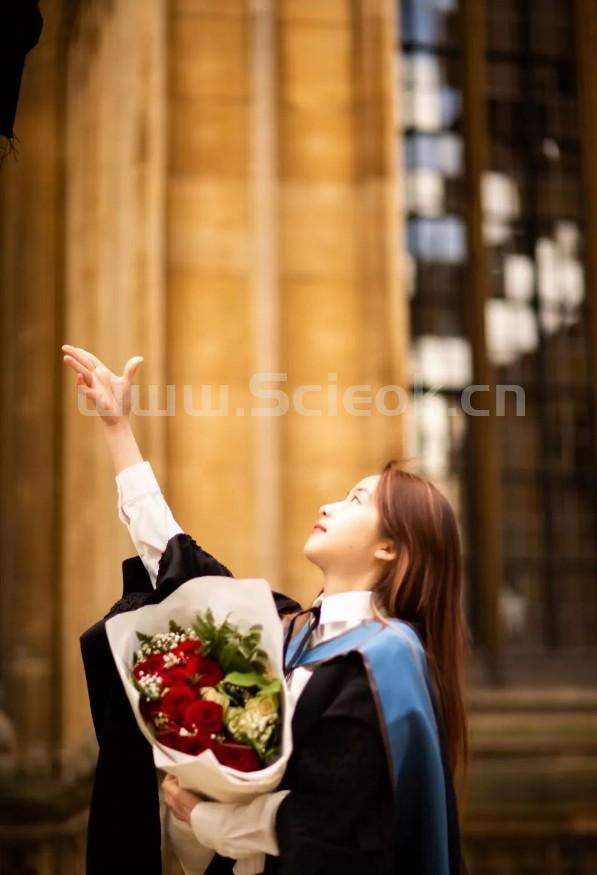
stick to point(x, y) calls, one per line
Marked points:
point(244, 602)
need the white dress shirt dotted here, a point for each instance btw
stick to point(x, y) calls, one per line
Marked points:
point(233, 830)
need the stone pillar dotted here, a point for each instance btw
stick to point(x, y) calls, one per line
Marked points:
point(114, 295)
point(211, 274)
point(42, 814)
point(344, 318)
point(81, 215)
point(31, 279)
point(282, 258)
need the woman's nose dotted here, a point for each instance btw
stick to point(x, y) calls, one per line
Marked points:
point(323, 510)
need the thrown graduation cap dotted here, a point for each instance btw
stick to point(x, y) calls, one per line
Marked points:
point(20, 28)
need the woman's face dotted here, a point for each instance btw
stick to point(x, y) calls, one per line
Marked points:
point(345, 539)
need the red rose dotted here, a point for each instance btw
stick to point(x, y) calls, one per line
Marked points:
point(237, 756)
point(175, 702)
point(169, 738)
point(148, 709)
point(206, 716)
point(187, 648)
point(194, 744)
point(192, 666)
point(150, 665)
point(175, 676)
point(204, 672)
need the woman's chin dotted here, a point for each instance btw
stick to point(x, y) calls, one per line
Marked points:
point(312, 550)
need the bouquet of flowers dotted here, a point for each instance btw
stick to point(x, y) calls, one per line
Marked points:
point(203, 672)
point(208, 687)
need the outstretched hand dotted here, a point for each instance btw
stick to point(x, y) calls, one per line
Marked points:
point(109, 393)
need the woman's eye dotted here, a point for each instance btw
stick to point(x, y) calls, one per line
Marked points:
point(355, 497)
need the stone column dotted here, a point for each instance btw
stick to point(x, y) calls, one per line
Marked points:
point(344, 316)
point(114, 295)
point(210, 321)
point(81, 216)
point(31, 212)
point(282, 257)
point(42, 814)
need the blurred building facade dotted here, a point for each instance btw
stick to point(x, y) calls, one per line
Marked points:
point(347, 193)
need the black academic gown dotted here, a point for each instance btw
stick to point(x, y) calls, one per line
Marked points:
point(342, 815)
point(339, 816)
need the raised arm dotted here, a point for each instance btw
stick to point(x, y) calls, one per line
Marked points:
point(169, 560)
point(141, 505)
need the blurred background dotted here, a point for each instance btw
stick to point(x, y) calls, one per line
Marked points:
point(347, 192)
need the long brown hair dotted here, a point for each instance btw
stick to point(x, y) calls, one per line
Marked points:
point(423, 585)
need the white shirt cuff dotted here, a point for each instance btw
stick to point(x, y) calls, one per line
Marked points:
point(134, 482)
point(238, 830)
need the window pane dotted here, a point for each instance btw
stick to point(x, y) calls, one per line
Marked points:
point(537, 326)
point(430, 96)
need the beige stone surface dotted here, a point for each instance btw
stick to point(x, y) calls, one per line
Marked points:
point(207, 228)
point(338, 266)
point(209, 56)
point(113, 304)
point(319, 144)
point(209, 136)
point(312, 11)
point(30, 271)
point(209, 250)
point(316, 64)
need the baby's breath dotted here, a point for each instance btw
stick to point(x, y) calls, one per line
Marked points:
point(171, 659)
point(150, 685)
point(162, 642)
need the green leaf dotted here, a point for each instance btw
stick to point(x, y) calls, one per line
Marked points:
point(228, 646)
point(244, 679)
point(271, 689)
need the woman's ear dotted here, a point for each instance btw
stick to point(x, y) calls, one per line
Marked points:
point(387, 552)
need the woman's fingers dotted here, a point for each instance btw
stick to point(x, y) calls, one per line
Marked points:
point(169, 786)
point(131, 368)
point(83, 356)
point(180, 802)
point(76, 365)
point(86, 363)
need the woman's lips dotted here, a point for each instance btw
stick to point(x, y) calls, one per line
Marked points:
point(318, 527)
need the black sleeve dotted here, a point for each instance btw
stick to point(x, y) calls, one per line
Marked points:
point(184, 559)
point(336, 816)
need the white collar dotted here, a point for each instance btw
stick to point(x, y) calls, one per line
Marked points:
point(351, 605)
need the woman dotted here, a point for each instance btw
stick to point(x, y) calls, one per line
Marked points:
point(369, 787)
